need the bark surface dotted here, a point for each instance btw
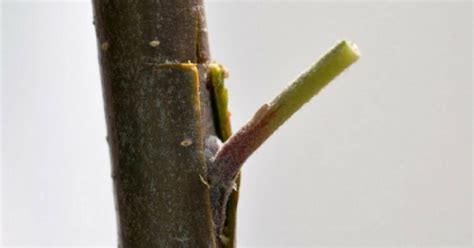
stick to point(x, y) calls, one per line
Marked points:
point(156, 119)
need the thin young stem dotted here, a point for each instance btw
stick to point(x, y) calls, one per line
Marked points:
point(229, 159)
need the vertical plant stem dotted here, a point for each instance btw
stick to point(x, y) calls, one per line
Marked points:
point(155, 120)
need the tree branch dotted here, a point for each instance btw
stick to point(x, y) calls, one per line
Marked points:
point(152, 57)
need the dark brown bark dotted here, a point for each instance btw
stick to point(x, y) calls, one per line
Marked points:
point(156, 120)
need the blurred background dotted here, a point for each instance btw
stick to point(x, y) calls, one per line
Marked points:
point(382, 157)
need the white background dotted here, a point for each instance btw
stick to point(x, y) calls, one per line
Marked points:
point(381, 157)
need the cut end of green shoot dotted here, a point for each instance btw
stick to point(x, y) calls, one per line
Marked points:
point(352, 47)
point(343, 54)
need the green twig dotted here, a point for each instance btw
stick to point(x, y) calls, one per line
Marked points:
point(229, 159)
